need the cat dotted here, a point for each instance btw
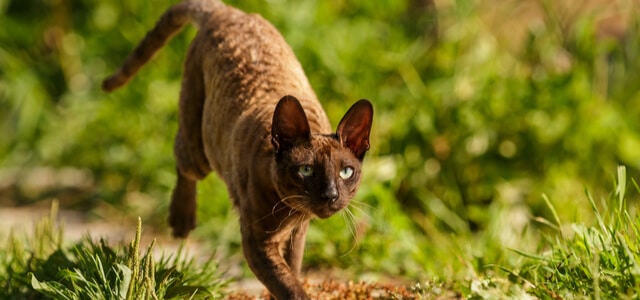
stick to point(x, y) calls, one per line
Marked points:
point(247, 111)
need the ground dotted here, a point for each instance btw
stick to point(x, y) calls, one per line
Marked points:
point(320, 284)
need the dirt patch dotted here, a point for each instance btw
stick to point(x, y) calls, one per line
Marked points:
point(334, 290)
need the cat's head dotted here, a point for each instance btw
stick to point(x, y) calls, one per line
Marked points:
point(319, 173)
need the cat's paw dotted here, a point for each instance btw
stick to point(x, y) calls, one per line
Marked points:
point(181, 224)
point(182, 210)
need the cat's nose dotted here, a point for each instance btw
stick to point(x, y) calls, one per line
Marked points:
point(330, 194)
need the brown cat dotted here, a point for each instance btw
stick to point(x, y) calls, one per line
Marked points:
point(277, 155)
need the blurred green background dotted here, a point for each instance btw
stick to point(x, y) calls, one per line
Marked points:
point(481, 108)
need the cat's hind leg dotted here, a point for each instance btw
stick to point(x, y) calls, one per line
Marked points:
point(192, 163)
point(182, 211)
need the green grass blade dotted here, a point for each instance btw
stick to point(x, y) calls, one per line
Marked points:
point(552, 209)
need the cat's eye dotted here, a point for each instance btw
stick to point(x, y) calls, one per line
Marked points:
point(346, 172)
point(305, 170)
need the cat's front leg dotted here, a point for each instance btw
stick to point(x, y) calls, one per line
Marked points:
point(295, 247)
point(271, 268)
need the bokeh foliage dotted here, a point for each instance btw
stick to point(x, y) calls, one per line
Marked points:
point(469, 129)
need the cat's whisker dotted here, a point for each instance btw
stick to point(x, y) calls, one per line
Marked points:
point(354, 201)
point(293, 209)
point(292, 196)
point(274, 210)
point(348, 222)
point(365, 212)
point(287, 198)
point(284, 201)
point(279, 225)
point(349, 219)
point(298, 206)
point(353, 227)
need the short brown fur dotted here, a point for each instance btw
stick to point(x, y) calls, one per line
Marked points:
point(276, 153)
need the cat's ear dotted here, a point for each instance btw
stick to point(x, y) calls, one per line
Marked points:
point(289, 124)
point(353, 130)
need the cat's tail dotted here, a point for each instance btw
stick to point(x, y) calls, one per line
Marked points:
point(167, 26)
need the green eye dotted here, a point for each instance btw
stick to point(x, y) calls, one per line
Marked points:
point(306, 170)
point(346, 172)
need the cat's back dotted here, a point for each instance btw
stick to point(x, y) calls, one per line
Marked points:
point(244, 55)
point(246, 67)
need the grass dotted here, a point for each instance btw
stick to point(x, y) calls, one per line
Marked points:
point(601, 261)
point(575, 259)
point(42, 266)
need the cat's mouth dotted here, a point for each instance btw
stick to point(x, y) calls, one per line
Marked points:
point(326, 210)
point(325, 213)
point(308, 205)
